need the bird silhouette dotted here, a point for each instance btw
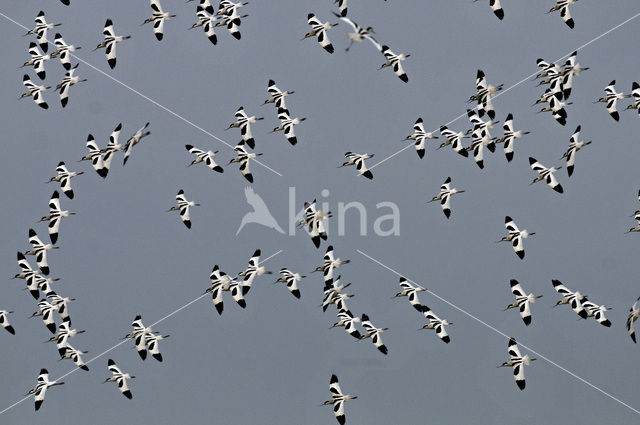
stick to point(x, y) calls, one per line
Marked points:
point(260, 214)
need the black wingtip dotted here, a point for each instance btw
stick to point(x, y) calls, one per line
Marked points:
point(368, 174)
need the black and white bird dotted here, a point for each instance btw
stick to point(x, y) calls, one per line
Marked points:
point(569, 70)
point(556, 107)
point(42, 384)
point(277, 96)
point(611, 99)
point(39, 249)
point(348, 322)
point(394, 62)
point(287, 123)
point(206, 20)
point(484, 92)
point(184, 206)
point(574, 299)
point(373, 333)
point(333, 294)
point(205, 157)
point(63, 335)
point(134, 140)
point(228, 11)
point(34, 91)
point(597, 312)
point(40, 30)
point(204, 5)
point(95, 156)
point(319, 30)
point(313, 222)
point(221, 282)
point(290, 279)
point(68, 81)
point(60, 303)
point(110, 41)
point(158, 16)
point(523, 301)
point(411, 292)
point(253, 270)
point(635, 93)
point(139, 335)
point(454, 139)
point(545, 174)
point(55, 215)
point(64, 177)
point(110, 150)
point(329, 263)
point(4, 321)
point(243, 121)
point(575, 144)
point(517, 362)
point(445, 196)
point(337, 397)
point(37, 60)
point(120, 378)
point(634, 313)
point(151, 341)
point(481, 129)
point(358, 160)
point(359, 33)
point(420, 136)
point(515, 236)
point(479, 139)
point(496, 8)
point(509, 137)
point(63, 50)
point(227, 7)
point(436, 324)
point(243, 158)
point(75, 355)
point(46, 309)
point(563, 7)
point(29, 275)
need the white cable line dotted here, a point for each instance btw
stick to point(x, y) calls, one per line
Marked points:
point(208, 133)
point(514, 86)
point(125, 340)
point(504, 335)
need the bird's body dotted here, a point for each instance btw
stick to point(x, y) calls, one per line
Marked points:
point(517, 362)
point(110, 41)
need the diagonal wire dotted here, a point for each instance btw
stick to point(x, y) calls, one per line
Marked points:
point(515, 85)
point(505, 335)
point(125, 340)
point(147, 98)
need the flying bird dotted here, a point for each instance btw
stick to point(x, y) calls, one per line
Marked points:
point(523, 301)
point(42, 383)
point(411, 292)
point(517, 362)
point(37, 60)
point(358, 160)
point(290, 279)
point(436, 324)
point(597, 312)
point(545, 174)
point(445, 196)
point(95, 156)
point(611, 98)
point(373, 333)
point(75, 355)
point(34, 91)
point(40, 30)
point(515, 236)
point(574, 299)
point(287, 124)
point(337, 397)
point(120, 378)
point(221, 282)
point(319, 30)
point(110, 150)
point(359, 33)
point(206, 157)
point(243, 121)
point(563, 7)
point(634, 313)
point(509, 137)
point(158, 17)
point(206, 20)
point(313, 221)
point(243, 157)
point(63, 50)
point(4, 321)
point(110, 41)
point(484, 92)
point(420, 136)
point(394, 62)
point(68, 81)
point(55, 215)
point(134, 140)
point(277, 96)
point(39, 249)
point(184, 206)
point(574, 146)
point(454, 139)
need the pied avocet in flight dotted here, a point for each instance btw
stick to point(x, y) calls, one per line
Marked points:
point(319, 30)
point(420, 136)
point(184, 206)
point(517, 362)
point(337, 398)
point(509, 137)
point(574, 299)
point(611, 98)
point(574, 146)
point(206, 157)
point(436, 324)
point(411, 292)
point(545, 174)
point(158, 17)
point(373, 333)
point(119, 378)
point(40, 389)
point(55, 214)
point(515, 236)
point(358, 160)
point(445, 196)
point(523, 301)
point(110, 41)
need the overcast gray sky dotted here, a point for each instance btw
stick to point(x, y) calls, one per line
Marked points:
point(122, 255)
